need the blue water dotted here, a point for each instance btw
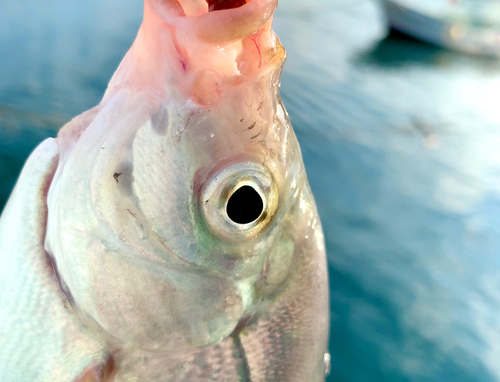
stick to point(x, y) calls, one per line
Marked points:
point(401, 142)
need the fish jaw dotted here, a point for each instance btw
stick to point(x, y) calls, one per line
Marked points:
point(204, 57)
point(128, 230)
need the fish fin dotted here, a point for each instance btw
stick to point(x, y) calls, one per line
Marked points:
point(40, 338)
point(99, 372)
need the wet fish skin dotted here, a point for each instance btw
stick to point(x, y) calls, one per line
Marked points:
point(159, 288)
point(40, 338)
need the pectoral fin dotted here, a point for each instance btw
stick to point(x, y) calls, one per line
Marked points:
point(99, 372)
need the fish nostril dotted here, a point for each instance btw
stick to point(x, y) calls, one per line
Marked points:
point(245, 205)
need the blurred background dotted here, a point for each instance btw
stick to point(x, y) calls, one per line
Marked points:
point(401, 140)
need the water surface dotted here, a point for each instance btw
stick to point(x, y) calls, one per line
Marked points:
point(401, 143)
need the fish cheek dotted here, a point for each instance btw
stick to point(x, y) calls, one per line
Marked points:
point(159, 309)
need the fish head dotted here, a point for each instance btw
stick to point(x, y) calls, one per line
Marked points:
point(179, 209)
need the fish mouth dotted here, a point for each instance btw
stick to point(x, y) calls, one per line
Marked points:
point(219, 5)
point(215, 21)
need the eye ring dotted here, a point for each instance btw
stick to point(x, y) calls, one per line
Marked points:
point(223, 185)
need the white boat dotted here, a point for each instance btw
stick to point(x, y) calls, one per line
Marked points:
point(472, 26)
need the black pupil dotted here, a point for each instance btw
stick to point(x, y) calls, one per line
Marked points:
point(245, 205)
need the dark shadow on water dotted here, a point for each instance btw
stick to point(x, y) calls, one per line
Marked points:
point(399, 49)
point(15, 146)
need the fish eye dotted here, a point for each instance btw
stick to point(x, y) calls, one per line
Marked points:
point(239, 201)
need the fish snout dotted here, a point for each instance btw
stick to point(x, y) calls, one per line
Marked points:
point(215, 21)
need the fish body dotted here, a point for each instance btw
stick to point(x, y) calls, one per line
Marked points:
point(468, 26)
point(170, 234)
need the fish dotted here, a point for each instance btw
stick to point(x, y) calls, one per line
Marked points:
point(466, 26)
point(170, 233)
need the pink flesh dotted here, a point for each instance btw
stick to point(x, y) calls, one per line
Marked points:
point(202, 54)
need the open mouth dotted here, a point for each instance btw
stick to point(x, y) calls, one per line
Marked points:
point(220, 5)
point(216, 21)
